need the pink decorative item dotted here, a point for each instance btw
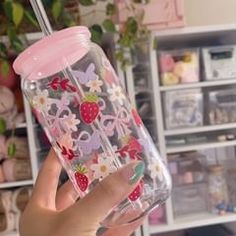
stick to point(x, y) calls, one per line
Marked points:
point(158, 14)
point(15, 170)
point(7, 222)
point(7, 99)
point(188, 177)
point(8, 109)
point(8, 80)
point(6, 200)
point(2, 177)
point(88, 119)
point(179, 66)
point(3, 150)
point(20, 198)
point(169, 79)
point(167, 63)
point(157, 216)
point(21, 144)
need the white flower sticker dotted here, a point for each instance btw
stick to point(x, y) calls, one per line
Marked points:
point(116, 94)
point(71, 122)
point(155, 170)
point(103, 167)
point(41, 101)
point(94, 85)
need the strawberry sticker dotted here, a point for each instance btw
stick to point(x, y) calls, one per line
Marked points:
point(89, 108)
point(80, 177)
point(136, 117)
point(137, 192)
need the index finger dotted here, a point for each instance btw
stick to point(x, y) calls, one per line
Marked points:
point(47, 181)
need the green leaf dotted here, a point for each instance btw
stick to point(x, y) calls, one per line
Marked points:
point(11, 32)
point(96, 33)
point(3, 50)
point(17, 13)
point(31, 18)
point(11, 149)
point(17, 45)
point(109, 26)
point(8, 9)
point(131, 25)
point(110, 9)
point(15, 41)
point(47, 3)
point(4, 68)
point(57, 7)
point(3, 126)
point(68, 19)
point(120, 55)
point(86, 2)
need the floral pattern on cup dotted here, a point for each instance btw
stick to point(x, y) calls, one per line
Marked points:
point(155, 170)
point(65, 122)
point(103, 167)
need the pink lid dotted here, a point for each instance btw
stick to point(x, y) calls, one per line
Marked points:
point(53, 53)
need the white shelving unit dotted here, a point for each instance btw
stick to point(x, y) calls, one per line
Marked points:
point(174, 39)
point(16, 184)
point(29, 126)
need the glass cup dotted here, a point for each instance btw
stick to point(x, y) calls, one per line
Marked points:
point(79, 101)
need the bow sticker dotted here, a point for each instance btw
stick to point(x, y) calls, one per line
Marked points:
point(118, 123)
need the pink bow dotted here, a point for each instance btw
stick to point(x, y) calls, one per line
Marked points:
point(120, 123)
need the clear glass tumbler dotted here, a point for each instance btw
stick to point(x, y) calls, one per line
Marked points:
point(88, 118)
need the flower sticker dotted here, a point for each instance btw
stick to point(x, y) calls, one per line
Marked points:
point(94, 85)
point(71, 122)
point(41, 100)
point(116, 94)
point(155, 170)
point(103, 167)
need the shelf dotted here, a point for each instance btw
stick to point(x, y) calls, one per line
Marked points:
point(194, 30)
point(201, 146)
point(23, 125)
point(30, 37)
point(16, 184)
point(191, 221)
point(199, 129)
point(202, 84)
point(11, 234)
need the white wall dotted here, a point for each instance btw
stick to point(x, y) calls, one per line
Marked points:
point(209, 12)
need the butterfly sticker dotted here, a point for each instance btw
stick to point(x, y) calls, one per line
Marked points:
point(87, 143)
point(85, 77)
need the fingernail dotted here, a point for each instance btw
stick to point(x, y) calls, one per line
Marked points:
point(133, 173)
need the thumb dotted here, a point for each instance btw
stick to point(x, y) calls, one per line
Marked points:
point(110, 192)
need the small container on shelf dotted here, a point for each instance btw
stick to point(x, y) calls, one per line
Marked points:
point(231, 181)
point(222, 106)
point(219, 62)
point(179, 66)
point(187, 168)
point(217, 189)
point(157, 216)
point(141, 75)
point(189, 199)
point(183, 108)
